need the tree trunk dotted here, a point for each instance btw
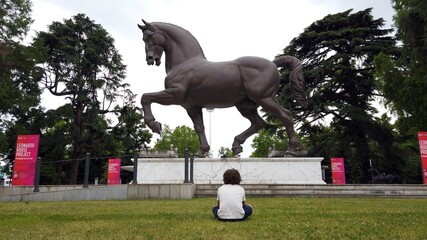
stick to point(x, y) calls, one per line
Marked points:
point(78, 136)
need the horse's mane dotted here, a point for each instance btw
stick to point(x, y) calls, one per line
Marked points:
point(165, 26)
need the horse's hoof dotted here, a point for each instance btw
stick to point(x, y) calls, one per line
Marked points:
point(289, 154)
point(237, 150)
point(299, 153)
point(200, 154)
point(157, 128)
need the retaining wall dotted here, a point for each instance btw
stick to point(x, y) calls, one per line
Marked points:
point(115, 192)
point(188, 191)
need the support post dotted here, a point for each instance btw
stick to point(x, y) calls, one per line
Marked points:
point(135, 167)
point(186, 166)
point(86, 179)
point(191, 168)
point(37, 175)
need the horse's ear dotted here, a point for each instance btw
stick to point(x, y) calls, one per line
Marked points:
point(148, 26)
point(142, 27)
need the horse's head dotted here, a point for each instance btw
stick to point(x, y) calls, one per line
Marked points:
point(154, 43)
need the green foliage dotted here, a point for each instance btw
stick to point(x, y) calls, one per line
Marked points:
point(18, 77)
point(181, 137)
point(403, 78)
point(264, 140)
point(225, 152)
point(338, 53)
point(75, 59)
point(130, 133)
point(125, 138)
point(405, 91)
point(55, 145)
point(273, 218)
point(19, 81)
point(80, 62)
point(15, 19)
point(411, 23)
point(19, 90)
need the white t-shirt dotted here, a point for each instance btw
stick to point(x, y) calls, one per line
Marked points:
point(230, 199)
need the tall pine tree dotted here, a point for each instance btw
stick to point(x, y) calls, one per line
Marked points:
point(80, 62)
point(338, 53)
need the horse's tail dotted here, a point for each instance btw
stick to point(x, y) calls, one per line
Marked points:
point(297, 82)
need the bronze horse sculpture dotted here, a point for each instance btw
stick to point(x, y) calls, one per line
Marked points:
point(195, 83)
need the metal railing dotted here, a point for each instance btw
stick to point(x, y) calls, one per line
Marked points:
point(188, 168)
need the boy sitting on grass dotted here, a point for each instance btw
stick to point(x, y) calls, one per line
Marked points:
point(231, 199)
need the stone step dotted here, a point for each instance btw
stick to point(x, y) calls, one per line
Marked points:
point(416, 191)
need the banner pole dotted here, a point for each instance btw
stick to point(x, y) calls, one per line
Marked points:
point(186, 166)
point(135, 167)
point(37, 175)
point(191, 168)
point(86, 179)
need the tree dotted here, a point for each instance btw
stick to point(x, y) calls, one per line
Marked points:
point(80, 62)
point(54, 147)
point(403, 78)
point(265, 139)
point(19, 92)
point(128, 135)
point(181, 137)
point(338, 53)
point(225, 152)
point(15, 20)
point(19, 77)
point(118, 141)
point(130, 132)
point(411, 22)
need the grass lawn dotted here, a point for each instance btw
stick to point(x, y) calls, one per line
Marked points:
point(273, 218)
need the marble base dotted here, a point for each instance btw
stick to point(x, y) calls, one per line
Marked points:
point(306, 170)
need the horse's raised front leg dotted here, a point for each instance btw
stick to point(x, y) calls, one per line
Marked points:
point(249, 111)
point(196, 116)
point(165, 97)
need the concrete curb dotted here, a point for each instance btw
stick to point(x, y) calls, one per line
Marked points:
point(349, 190)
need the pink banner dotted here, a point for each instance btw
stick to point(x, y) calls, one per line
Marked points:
point(338, 171)
point(422, 138)
point(25, 160)
point(113, 171)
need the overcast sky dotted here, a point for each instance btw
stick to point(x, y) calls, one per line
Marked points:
point(226, 29)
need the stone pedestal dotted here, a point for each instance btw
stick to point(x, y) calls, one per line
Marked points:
point(305, 170)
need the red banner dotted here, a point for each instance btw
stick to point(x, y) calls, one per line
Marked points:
point(25, 160)
point(113, 171)
point(338, 171)
point(422, 138)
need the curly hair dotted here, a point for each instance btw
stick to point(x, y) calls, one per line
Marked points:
point(232, 176)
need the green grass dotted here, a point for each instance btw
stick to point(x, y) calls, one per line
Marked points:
point(273, 218)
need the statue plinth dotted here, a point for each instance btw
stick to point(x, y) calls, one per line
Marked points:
point(298, 170)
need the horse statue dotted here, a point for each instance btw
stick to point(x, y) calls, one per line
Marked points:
point(196, 83)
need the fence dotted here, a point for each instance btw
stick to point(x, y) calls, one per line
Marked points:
point(188, 168)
